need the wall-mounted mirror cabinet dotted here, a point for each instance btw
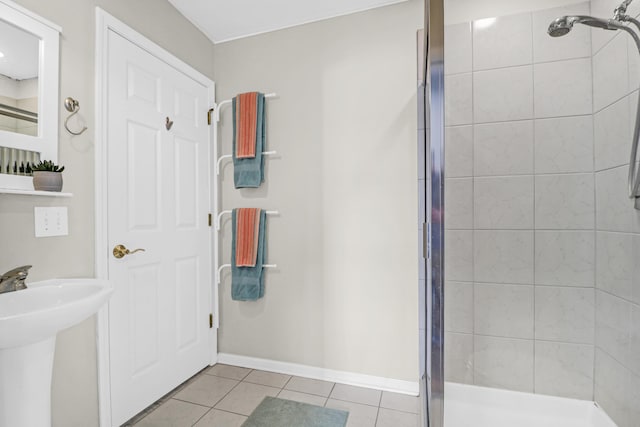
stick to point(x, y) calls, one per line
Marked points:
point(29, 61)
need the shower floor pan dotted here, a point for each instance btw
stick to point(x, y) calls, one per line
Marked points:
point(467, 405)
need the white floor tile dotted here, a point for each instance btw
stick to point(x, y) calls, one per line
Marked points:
point(173, 413)
point(216, 418)
point(359, 415)
point(399, 402)
point(206, 390)
point(267, 378)
point(245, 398)
point(308, 385)
point(227, 371)
point(391, 418)
point(311, 399)
point(366, 396)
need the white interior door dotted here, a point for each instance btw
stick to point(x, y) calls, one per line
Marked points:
point(158, 200)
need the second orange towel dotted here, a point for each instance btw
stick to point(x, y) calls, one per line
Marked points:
point(247, 230)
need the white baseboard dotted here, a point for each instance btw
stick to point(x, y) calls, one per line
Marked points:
point(342, 377)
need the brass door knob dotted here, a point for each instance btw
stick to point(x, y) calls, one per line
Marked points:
point(119, 251)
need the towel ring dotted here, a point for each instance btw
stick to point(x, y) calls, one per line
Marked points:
point(73, 107)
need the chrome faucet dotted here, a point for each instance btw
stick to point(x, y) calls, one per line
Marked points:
point(13, 280)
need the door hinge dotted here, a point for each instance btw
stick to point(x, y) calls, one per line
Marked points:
point(210, 320)
point(426, 240)
point(210, 220)
point(209, 116)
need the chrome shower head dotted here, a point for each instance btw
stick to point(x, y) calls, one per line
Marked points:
point(561, 26)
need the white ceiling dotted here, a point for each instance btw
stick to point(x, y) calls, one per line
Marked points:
point(224, 20)
point(21, 52)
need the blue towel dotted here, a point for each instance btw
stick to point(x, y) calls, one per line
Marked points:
point(247, 283)
point(249, 173)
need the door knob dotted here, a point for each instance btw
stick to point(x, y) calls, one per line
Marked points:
point(119, 251)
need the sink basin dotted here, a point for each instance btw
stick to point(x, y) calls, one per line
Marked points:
point(46, 307)
point(29, 322)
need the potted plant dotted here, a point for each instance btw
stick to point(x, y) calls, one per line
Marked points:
point(47, 176)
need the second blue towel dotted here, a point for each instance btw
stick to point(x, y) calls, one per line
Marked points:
point(247, 283)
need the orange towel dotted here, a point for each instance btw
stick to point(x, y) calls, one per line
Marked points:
point(246, 124)
point(247, 229)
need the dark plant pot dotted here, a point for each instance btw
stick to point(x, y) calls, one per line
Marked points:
point(47, 181)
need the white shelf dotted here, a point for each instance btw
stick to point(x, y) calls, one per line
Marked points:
point(35, 193)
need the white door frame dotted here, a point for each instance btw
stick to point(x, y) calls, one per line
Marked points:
point(105, 23)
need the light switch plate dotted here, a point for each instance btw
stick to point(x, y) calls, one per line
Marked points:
point(51, 221)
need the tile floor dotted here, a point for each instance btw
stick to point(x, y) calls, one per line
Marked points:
point(223, 396)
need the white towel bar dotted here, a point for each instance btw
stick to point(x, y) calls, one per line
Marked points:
point(228, 156)
point(229, 213)
point(226, 102)
point(223, 266)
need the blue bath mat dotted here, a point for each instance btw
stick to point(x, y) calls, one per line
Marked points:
point(274, 412)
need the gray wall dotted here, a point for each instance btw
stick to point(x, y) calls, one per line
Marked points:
point(75, 373)
point(344, 295)
point(616, 77)
point(520, 206)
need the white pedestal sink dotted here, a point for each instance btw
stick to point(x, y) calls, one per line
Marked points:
point(29, 322)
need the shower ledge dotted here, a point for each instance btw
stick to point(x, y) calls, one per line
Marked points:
point(467, 405)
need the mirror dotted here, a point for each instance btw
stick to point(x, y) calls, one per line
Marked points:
point(19, 60)
point(29, 49)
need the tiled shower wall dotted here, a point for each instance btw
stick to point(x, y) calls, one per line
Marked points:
point(520, 205)
point(616, 72)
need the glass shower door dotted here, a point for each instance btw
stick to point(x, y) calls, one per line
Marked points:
point(431, 152)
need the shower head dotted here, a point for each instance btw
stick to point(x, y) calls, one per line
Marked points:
point(564, 24)
point(560, 27)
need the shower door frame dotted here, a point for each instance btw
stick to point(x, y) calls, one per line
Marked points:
point(432, 383)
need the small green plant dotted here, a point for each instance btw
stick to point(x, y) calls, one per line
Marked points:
point(47, 166)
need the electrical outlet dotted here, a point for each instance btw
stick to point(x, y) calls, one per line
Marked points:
point(51, 221)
